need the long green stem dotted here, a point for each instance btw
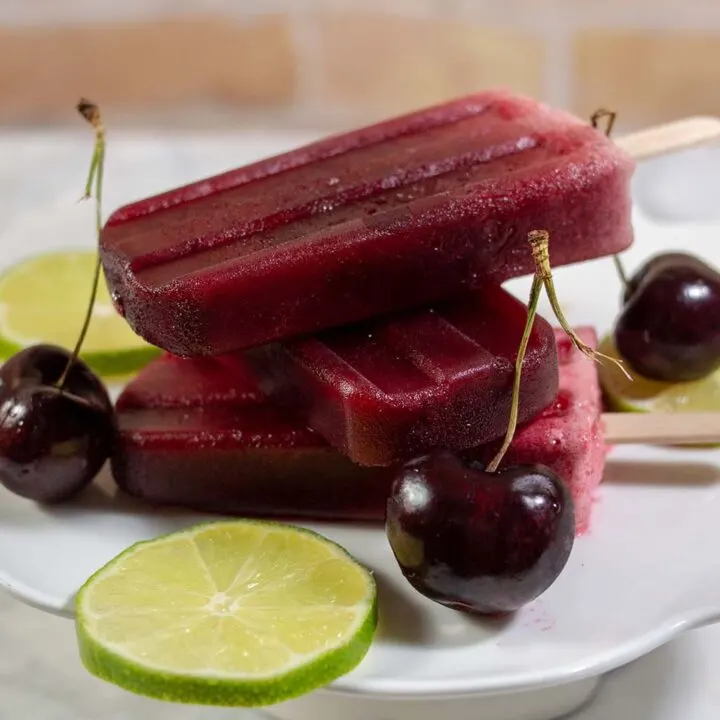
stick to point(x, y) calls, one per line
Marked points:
point(595, 119)
point(515, 402)
point(91, 113)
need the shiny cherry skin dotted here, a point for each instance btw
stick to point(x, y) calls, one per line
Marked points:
point(52, 442)
point(669, 327)
point(480, 542)
point(658, 263)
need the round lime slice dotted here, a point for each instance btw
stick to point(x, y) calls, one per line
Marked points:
point(44, 300)
point(237, 613)
point(643, 395)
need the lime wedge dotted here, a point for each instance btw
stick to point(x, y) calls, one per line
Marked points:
point(644, 395)
point(237, 613)
point(44, 300)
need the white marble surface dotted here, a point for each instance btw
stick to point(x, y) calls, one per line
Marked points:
point(40, 674)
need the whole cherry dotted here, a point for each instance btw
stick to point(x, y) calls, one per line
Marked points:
point(56, 419)
point(486, 543)
point(53, 440)
point(476, 538)
point(669, 327)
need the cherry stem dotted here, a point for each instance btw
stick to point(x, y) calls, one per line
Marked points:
point(595, 119)
point(540, 244)
point(535, 291)
point(621, 271)
point(91, 113)
point(603, 114)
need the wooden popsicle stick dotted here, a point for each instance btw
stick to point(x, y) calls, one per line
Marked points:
point(662, 428)
point(669, 137)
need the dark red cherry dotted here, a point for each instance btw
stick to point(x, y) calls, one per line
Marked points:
point(53, 442)
point(485, 543)
point(669, 327)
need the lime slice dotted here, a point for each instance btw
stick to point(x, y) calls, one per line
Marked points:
point(44, 300)
point(643, 395)
point(237, 613)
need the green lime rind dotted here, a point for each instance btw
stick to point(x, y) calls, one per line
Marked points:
point(220, 691)
point(110, 366)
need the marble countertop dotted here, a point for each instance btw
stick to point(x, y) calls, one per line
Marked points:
point(40, 673)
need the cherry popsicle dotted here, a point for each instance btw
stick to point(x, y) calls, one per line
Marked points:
point(389, 389)
point(391, 216)
point(198, 433)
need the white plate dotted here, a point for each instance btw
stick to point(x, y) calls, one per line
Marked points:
point(648, 569)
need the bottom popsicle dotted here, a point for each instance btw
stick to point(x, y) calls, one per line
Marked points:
point(197, 433)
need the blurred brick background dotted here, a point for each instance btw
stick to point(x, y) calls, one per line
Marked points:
point(325, 63)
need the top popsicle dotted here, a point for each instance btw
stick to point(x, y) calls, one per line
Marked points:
point(388, 217)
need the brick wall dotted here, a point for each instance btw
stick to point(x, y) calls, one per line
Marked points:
point(336, 63)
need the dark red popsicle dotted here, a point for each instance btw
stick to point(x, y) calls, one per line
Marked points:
point(385, 390)
point(199, 434)
point(392, 216)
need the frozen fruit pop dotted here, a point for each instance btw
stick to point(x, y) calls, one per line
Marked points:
point(392, 216)
point(199, 434)
point(388, 389)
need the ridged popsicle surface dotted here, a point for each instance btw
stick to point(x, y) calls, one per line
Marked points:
point(388, 389)
point(389, 217)
point(199, 434)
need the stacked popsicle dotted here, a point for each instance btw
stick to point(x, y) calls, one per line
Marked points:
point(199, 433)
point(341, 310)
